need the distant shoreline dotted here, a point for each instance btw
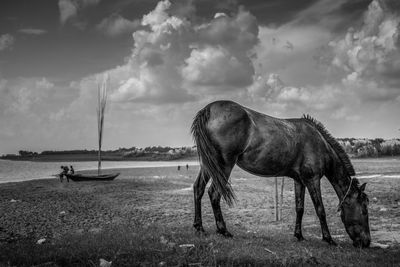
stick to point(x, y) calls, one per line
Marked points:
point(79, 158)
point(152, 157)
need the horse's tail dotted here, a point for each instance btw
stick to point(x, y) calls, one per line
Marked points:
point(209, 156)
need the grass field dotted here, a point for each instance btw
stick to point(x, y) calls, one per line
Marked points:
point(144, 218)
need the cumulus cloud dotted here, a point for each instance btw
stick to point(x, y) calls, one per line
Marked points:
point(216, 66)
point(6, 41)
point(115, 25)
point(371, 52)
point(22, 94)
point(271, 89)
point(175, 60)
point(32, 31)
point(69, 8)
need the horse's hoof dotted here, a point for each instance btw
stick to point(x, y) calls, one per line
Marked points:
point(330, 241)
point(224, 233)
point(201, 233)
point(299, 237)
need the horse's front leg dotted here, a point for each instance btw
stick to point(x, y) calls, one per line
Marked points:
point(198, 191)
point(299, 190)
point(314, 188)
point(215, 199)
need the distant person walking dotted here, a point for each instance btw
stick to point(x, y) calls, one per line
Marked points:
point(179, 167)
point(71, 169)
point(187, 166)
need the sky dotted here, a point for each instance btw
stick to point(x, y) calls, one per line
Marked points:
point(338, 61)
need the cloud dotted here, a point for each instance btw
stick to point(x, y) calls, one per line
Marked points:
point(6, 41)
point(70, 8)
point(271, 89)
point(67, 10)
point(32, 31)
point(20, 95)
point(115, 25)
point(175, 60)
point(371, 52)
point(216, 67)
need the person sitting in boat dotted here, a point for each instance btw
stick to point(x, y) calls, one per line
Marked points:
point(65, 172)
point(71, 169)
point(61, 175)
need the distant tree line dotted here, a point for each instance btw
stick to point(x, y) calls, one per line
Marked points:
point(355, 147)
point(147, 153)
point(377, 147)
point(24, 153)
point(68, 152)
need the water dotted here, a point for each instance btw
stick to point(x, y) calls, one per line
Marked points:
point(17, 171)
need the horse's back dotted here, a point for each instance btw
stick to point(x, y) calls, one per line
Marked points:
point(229, 126)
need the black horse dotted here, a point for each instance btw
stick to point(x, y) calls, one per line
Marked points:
point(227, 133)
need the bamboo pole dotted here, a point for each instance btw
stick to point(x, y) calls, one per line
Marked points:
point(102, 101)
point(276, 199)
point(281, 200)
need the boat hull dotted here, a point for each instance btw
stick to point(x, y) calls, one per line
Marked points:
point(82, 177)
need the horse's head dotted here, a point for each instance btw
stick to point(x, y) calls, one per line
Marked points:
point(354, 215)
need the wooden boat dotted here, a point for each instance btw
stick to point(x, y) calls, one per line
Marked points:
point(102, 100)
point(84, 177)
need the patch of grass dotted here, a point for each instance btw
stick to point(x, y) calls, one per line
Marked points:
point(155, 244)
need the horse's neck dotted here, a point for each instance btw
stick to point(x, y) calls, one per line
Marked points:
point(340, 182)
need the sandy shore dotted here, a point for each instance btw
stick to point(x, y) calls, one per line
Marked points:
point(50, 209)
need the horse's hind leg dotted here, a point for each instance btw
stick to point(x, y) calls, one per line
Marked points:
point(198, 190)
point(299, 190)
point(215, 198)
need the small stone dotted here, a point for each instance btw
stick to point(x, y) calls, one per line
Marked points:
point(163, 240)
point(162, 263)
point(104, 263)
point(186, 246)
point(383, 209)
point(171, 244)
point(41, 241)
point(374, 199)
point(63, 213)
point(95, 230)
point(378, 245)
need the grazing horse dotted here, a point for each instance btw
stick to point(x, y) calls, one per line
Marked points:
point(227, 133)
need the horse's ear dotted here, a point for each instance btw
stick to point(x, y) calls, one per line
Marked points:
point(362, 187)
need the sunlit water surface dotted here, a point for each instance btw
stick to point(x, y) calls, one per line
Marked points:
point(16, 171)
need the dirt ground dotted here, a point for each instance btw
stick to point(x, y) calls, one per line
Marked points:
point(163, 196)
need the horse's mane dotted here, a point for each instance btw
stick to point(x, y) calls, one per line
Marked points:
point(344, 158)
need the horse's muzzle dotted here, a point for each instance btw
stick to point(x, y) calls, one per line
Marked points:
point(362, 242)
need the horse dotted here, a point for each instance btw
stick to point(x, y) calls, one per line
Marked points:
point(228, 134)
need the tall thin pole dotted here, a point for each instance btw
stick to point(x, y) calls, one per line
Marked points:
point(276, 199)
point(102, 100)
point(281, 199)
